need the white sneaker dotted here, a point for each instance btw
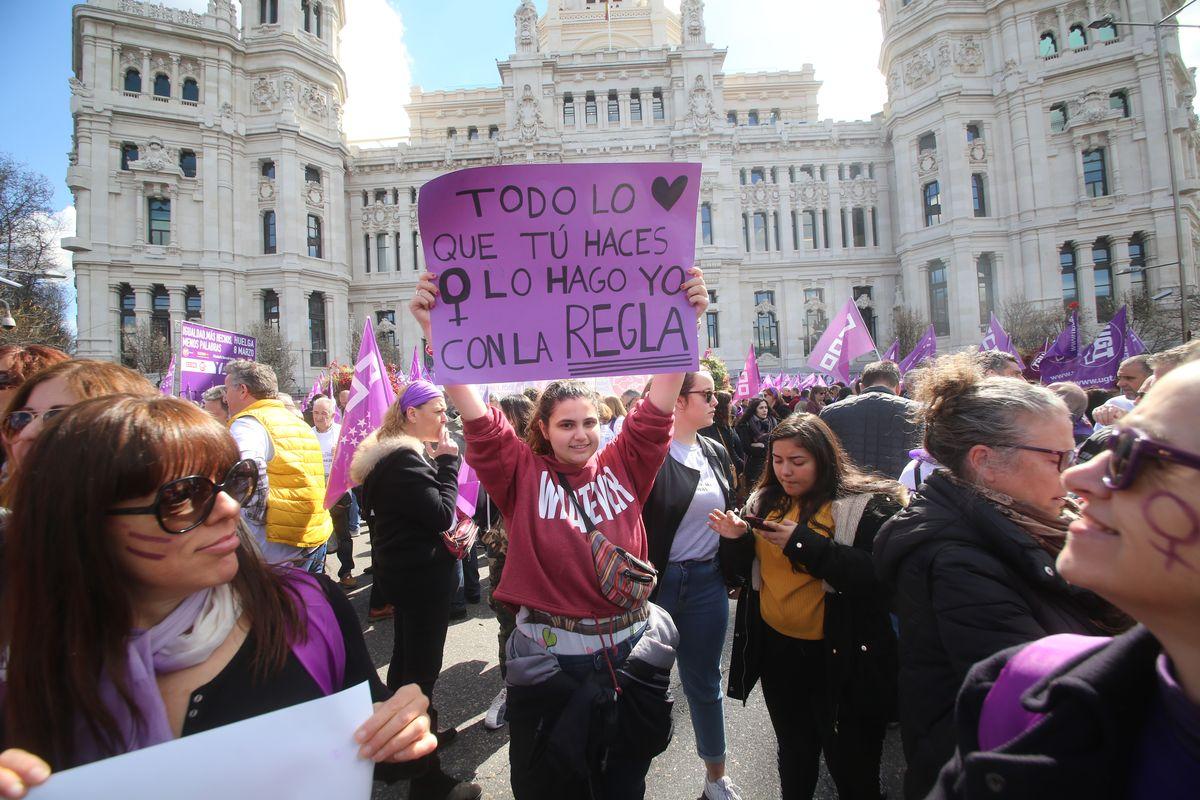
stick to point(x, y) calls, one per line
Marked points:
point(495, 713)
point(724, 789)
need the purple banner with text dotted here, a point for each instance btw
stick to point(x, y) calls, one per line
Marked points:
point(552, 271)
point(203, 353)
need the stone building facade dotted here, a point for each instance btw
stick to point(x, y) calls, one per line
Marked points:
point(1021, 154)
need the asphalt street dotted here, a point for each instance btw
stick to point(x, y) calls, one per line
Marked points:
point(471, 678)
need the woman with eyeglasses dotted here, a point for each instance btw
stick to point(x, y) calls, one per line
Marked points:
point(972, 559)
point(1100, 717)
point(137, 612)
point(695, 479)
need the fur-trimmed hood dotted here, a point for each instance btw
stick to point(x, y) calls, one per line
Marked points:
point(372, 450)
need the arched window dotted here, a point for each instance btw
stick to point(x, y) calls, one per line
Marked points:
point(268, 232)
point(1077, 37)
point(133, 80)
point(191, 90)
point(752, 116)
point(1137, 263)
point(193, 305)
point(987, 288)
point(1047, 44)
point(162, 85)
point(187, 163)
point(1103, 280)
point(1066, 261)
point(314, 236)
point(160, 313)
point(271, 307)
point(316, 330)
point(129, 154)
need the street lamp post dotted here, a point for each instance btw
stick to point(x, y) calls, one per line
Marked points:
point(1172, 169)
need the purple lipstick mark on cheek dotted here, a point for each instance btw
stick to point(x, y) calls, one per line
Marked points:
point(1155, 508)
point(146, 538)
point(144, 554)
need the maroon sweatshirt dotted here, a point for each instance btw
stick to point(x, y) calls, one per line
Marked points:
point(549, 565)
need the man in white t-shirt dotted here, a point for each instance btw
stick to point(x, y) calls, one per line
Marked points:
point(328, 432)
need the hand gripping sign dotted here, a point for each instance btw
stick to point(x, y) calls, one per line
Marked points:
point(551, 271)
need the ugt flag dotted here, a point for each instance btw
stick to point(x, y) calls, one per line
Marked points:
point(893, 352)
point(844, 340)
point(749, 383)
point(1098, 364)
point(998, 339)
point(1059, 361)
point(1134, 346)
point(926, 347)
point(370, 396)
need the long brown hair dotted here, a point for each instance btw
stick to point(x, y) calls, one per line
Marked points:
point(837, 476)
point(554, 393)
point(67, 612)
point(519, 410)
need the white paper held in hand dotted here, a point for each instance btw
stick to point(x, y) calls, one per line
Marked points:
point(305, 752)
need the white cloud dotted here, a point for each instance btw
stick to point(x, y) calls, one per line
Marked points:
point(841, 40)
point(378, 72)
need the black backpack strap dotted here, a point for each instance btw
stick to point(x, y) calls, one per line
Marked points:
point(587, 521)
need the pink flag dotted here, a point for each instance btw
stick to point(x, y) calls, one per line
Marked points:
point(749, 382)
point(998, 339)
point(893, 352)
point(370, 396)
point(167, 384)
point(844, 340)
point(312, 394)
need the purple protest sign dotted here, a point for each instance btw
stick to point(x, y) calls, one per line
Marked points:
point(203, 353)
point(548, 271)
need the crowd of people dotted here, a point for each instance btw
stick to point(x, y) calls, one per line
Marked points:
point(1010, 572)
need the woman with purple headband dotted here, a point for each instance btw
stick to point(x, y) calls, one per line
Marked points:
point(409, 475)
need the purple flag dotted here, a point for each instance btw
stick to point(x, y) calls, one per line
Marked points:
point(844, 340)
point(415, 373)
point(370, 396)
point(167, 384)
point(749, 382)
point(998, 339)
point(1059, 361)
point(926, 347)
point(1134, 346)
point(312, 395)
point(1098, 364)
point(893, 352)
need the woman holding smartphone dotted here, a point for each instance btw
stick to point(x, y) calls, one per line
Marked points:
point(812, 620)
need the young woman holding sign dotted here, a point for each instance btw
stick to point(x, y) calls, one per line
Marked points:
point(590, 652)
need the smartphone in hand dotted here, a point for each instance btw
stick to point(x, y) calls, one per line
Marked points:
point(757, 523)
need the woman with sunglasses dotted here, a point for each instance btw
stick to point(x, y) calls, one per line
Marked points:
point(695, 479)
point(972, 559)
point(20, 363)
point(137, 611)
point(1100, 717)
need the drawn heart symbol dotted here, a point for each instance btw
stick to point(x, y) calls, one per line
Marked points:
point(668, 194)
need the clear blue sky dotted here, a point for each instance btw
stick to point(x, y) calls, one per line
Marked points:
point(35, 55)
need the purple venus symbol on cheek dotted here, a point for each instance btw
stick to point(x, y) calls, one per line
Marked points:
point(1164, 511)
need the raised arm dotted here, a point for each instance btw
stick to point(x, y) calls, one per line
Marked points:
point(664, 389)
point(468, 402)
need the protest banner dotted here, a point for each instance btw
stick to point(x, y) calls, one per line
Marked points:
point(203, 354)
point(1059, 361)
point(550, 271)
point(845, 339)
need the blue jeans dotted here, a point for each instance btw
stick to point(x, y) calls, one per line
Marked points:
point(468, 580)
point(693, 593)
point(352, 517)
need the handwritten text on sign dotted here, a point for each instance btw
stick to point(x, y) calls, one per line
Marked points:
point(550, 271)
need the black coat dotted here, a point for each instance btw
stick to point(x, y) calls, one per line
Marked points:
point(876, 428)
point(968, 583)
point(1095, 712)
point(412, 500)
point(754, 431)
point(860, 645)
point(731, 441)
point(674, 487)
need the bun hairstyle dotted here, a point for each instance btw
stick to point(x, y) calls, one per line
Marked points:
point(961, 408)
point(551, 396)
